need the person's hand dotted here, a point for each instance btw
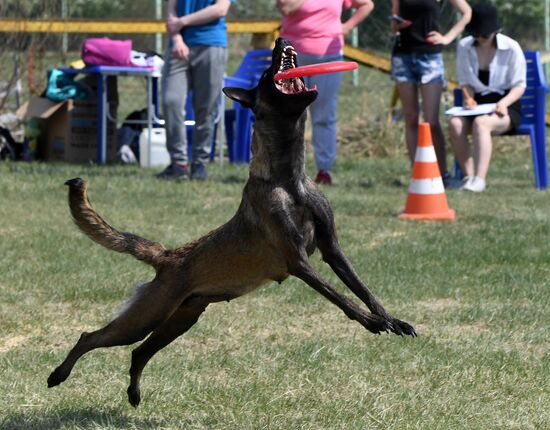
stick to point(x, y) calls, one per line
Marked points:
point(469, 103)
point(501, 109)
point(179, 48)
point(345, 29)
point(398, 26)
point(436, 38)
point(173, 24)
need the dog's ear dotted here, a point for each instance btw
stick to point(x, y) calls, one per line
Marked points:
point(245, 97)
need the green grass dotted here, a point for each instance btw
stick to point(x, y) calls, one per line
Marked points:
point(477, 291)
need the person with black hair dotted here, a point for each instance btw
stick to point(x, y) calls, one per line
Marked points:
point(490, 68)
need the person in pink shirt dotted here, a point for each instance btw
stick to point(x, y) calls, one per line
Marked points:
point(315, 30)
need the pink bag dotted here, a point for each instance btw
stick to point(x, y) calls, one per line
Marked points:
point(103, 51)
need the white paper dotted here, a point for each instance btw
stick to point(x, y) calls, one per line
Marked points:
point(478, 110)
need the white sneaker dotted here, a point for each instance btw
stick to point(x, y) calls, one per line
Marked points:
point(465, 181)
point(475, 184)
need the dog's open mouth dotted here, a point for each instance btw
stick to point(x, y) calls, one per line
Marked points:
point(293, 85)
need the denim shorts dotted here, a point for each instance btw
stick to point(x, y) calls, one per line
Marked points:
point(418, 69)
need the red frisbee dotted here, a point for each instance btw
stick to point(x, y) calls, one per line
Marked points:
point(316, 69)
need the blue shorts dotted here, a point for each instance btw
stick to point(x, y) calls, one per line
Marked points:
point(419, 69)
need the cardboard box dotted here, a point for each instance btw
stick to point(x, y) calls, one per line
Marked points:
point(69, 128)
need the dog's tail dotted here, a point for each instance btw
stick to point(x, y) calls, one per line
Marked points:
point(97, 229)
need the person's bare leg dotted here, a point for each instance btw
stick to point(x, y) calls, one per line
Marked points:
point(431, 101)
point(483, 128)
point(459, 128)
point(408, 94)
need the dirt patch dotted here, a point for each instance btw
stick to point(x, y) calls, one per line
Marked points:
point(12, 342)
point(381, 238)
point(439, 304)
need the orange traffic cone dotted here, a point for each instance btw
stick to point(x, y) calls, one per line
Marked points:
point(426, 199)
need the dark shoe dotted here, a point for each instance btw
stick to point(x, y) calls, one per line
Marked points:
point(174, 172)
point(198, 172)
point(447, 179)
point(323, 177)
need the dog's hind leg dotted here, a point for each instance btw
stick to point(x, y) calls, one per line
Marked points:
point(146, 311)
point(180, 321)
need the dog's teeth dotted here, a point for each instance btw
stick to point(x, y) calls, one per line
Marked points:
point(289, 87)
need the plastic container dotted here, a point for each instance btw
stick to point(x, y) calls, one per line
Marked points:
point(159, 154)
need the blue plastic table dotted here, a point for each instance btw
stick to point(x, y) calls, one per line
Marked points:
point(103, 114)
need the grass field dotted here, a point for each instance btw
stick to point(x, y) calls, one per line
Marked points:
point(477, 291)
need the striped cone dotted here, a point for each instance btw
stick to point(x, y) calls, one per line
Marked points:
point(426, 199)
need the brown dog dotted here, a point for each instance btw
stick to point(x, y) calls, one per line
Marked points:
point(282, 219)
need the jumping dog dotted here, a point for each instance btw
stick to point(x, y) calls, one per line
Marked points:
point(281, 220)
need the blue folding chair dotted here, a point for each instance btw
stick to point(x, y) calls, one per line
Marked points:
point(239, 119)
point(533, 110)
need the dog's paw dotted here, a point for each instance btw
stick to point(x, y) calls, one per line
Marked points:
point(374, 323)
point(134, 396)
point(57, 377)
point(402, 328)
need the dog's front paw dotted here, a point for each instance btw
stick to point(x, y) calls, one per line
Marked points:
point(134, 396)
point(375, 323)
point(402, 328)
point(57, 377)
